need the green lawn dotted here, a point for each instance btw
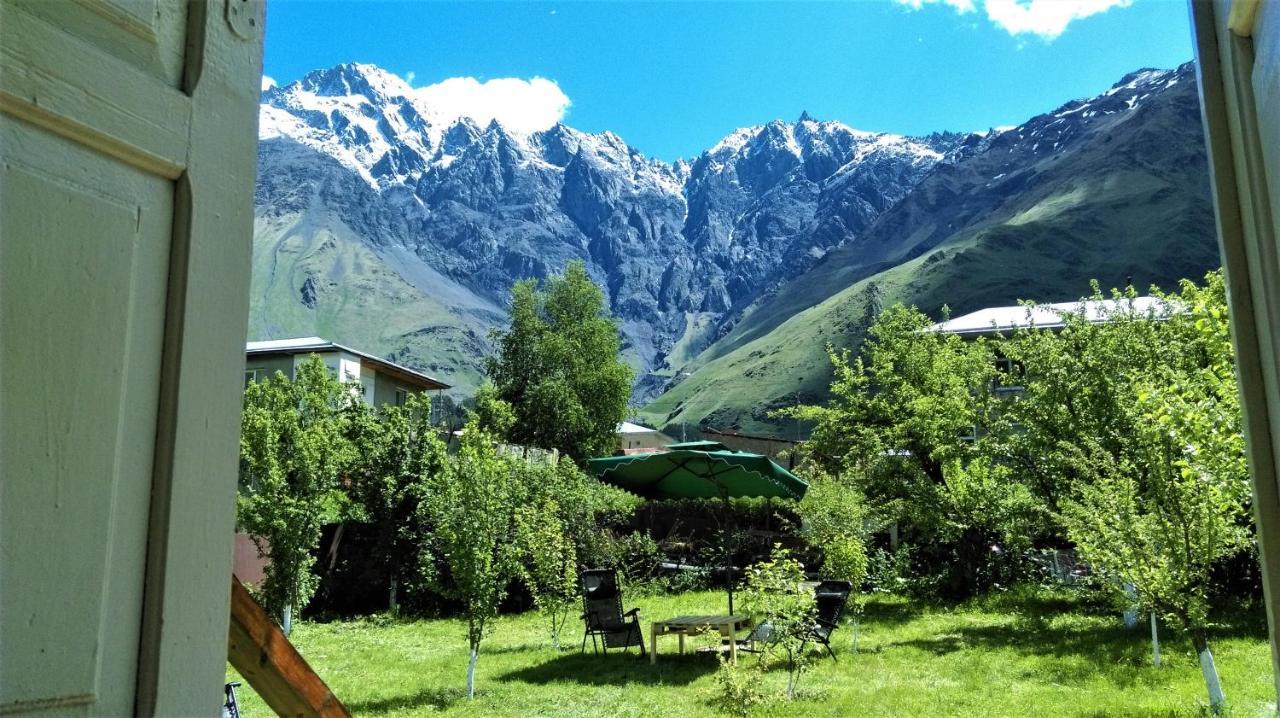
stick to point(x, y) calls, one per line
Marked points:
point(1023, 655)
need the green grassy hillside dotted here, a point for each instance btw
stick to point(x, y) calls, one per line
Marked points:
point(313, 277)
point(1110, 189)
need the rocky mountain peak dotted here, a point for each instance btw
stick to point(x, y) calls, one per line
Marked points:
point(455, 212)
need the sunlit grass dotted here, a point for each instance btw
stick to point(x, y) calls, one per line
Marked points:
point(1024, 655)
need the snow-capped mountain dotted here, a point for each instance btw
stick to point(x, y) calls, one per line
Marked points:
point(1113, 187)
point(363, 183)
point(385, 223)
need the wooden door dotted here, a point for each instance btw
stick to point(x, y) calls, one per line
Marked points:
point(127, 148)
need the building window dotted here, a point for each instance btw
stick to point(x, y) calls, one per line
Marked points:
point(251, 376)
point(1009, 375)
point(402, 396)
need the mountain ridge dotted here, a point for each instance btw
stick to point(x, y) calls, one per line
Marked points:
point(677, 246)
point(384, 223)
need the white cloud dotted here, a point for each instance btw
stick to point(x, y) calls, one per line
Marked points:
point(518, 105)
point(268, 82)
point(1046, 18)
point(960, 6)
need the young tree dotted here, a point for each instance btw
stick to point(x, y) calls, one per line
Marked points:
point(1165, 502)
point(292, 451)
point(833, 517)
point(557, 366)
point(397, 452)
point(776, 595)
point(474, 550)
point(551, 564)
point(561, 526)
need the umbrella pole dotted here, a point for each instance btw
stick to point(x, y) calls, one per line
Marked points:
point(728, 556)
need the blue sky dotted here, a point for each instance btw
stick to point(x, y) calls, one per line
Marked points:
point(673, 78)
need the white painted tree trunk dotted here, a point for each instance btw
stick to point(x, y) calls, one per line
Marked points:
point(286, 625)
point(853, 629)
point(1155, 642)
point(471, 672)
point(1210, 671)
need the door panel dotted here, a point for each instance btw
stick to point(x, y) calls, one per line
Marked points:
point(127, 147)
point(81, 321)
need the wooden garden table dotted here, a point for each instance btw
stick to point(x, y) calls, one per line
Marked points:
point(728, 626)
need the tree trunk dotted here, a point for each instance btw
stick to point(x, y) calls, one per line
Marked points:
point(471, 670)
point(286, 623)
point(392, 603)
point(1155, 641)
point(1210, 672)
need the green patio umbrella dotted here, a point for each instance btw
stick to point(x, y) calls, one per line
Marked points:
point(699, 469)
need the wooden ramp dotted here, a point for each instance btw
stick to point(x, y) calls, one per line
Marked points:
point(272, 666)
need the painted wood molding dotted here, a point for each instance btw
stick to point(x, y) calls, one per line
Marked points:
point(272, 666)
point(1242, 17)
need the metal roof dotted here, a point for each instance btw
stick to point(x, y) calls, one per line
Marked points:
point(993, 320)
point(627, 427)
point(308, 345)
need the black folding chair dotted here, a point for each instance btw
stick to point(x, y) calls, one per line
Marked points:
point(831, 597)
point(602, 612)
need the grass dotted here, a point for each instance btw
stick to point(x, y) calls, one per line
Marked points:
point(1019, 654)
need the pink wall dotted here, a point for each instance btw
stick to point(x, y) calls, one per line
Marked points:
point(248, 567)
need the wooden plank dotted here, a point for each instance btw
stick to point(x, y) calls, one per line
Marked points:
point(271, 665)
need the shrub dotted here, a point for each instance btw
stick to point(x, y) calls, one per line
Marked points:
point(737, 688)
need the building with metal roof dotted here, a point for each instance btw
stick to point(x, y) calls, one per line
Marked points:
point(382, 381)
point(1003, 320)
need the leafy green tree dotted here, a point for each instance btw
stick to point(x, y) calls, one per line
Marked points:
point(833, 520)
point(474, 551)
point(786, 610)
point(1078, 381)
point(903, 425)
point(397, 452)
point(558, 368)
point(1160, 505)
point(292, 451)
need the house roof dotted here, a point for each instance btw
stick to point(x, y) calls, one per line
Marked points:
point(310, 345)
point(993, 320)
point(627, 427)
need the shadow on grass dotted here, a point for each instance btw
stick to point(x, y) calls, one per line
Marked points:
point(1082, 652)
point(435, 698)
point(891, 612)
point(616, 670)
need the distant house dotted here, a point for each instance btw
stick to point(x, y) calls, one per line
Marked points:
point(381, 381)
point(779, 449)
point(1003, 321)
point(634, 438)
point(994, 321)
